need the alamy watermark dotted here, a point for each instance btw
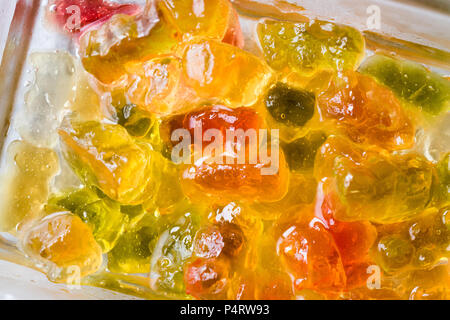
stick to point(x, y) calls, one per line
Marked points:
point(235, 147)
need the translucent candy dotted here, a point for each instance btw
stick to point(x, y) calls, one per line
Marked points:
point(289, 106)
point(375, 186)
point(25, 183)
point(208, 71)
point(394, 252)
point(138, 123)
point(174, 248)
point(444, 175)
point(301, 191)
point(133, 251)
point(300, 153)
point(207, 278)
point(307, 47)
point(353, 239)
point(426, 90)
point(416, 244)
point(428, 284)
point(215, 117)
point(123, 41)
point(106, 156)
point(225, 182)
point(74, 15)
point(100, 213)
point(261, 285)
point(65, 245)
point(367, 112)
point(193, 18)
point(157, 86)
point(218, 71)
point(213, 241)
point(45, 102)
point(311, 255)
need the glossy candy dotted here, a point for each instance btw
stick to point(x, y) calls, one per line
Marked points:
point(75, 15)
point(206, 71)
point(22, 201)
point(45, 103)
point(410, 81)
point(225, 182)
point(207, 278)
point(133, 251)
point(102, 214)
point(66, 245)
point(375, 186)
point(289, 106)
point(199, 18)
point(301, 153)
point(218, 71)
point(106, 156)
point(311, 255)
point(415, 244)
point(367, 112)
point(123, 41)
point(308, 47)
point(173, 250)
point(208, 118)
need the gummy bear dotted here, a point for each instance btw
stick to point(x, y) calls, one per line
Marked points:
point(65, 244)
point(375, 186)
point(75, 15)
point(246, 181)
point(308, 47)
point(156, 86)
point(133, 251)
point(106, 156)
point(207, 71)
point(311, 255)
point(45, 102)
point(102, 214)
point(215, 117)
point(410, 81)
point(174, 248)
point(289, 106)
point(223, 72)
point(300, 153)
point(210, 19)
point(367, 112)
point(22, 201)
point(123, 41)
point(207, 278)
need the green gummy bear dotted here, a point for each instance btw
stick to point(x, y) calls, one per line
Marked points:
point(101, 213)
point(308, 47)
point(174, 248)
point(410, 81)
point(300, 153)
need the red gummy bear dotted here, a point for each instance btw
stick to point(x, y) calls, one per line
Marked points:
point(74, 15)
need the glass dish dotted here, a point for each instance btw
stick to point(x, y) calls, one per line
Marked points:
point(22, 31)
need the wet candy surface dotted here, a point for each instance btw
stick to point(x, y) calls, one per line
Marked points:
point(307, 47)
point(164, 158)
point(425, 90)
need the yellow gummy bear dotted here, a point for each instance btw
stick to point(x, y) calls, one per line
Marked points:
point(107, 156)
point(123, 40)
point(208, 71)
point(202, 18)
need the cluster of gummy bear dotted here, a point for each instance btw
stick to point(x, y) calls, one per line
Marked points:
point(353, 211)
